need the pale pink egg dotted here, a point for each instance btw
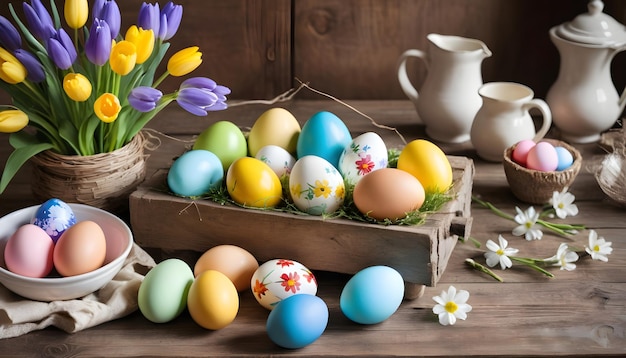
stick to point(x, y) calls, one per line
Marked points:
point(29, 252)
point(542, 157)
point(520, 152)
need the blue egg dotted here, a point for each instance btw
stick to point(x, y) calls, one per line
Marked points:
point(323, 135)
point(54, 216)
point(297, 321)
point(565, 158)
point(195, 173)
point(372, 295)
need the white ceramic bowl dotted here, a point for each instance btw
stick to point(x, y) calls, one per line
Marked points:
point(119, 241)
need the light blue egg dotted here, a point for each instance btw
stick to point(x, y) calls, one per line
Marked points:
point(54, 216)
point(372, 295)
point(565, 158)
point(195, 173)
point(323, 135)
point(297, 321)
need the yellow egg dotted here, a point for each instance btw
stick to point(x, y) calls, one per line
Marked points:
point(213, 301)
point(233, 261)
point(251, 182)
point(428, 163)
point(276, 126)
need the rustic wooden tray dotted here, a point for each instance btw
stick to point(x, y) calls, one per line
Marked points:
point(420, 253)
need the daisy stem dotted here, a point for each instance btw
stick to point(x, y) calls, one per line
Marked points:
point(532, 263)
point(473, 240)
point(483, 269)
point(490, 206)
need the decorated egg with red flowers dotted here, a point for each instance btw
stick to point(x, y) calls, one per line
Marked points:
point(278, 279)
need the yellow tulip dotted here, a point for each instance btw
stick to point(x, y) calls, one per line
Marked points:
point(184, 61)
point(107, 107)
point(143, 40)
point(11, 69)
point(76, 13)
point(77, 87)
point(12, 120)
point(123, 57)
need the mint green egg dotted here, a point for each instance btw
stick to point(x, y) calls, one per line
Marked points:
point(225, 140)
point(163, 292)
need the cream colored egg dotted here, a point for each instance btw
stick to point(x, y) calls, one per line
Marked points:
point(276, 126)
point(315, 186)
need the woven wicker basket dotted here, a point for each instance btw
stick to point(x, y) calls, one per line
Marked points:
point(102, 180)
point(537, 187)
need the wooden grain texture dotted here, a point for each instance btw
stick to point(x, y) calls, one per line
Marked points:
point(578, 313)
point(349, 48)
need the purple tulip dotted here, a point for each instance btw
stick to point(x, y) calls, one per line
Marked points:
point(149, 17)
point(34, 68)
point(171, 16)
point(195, 100)
point(144, 99)
point(39, 20)
point(9, 36)
point(207, 84)
point(98, 45)
point(109, 11)
point(61, 50)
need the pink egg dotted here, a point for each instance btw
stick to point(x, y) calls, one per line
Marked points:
point(542, 157)
point(29, 252)
point(520, 152)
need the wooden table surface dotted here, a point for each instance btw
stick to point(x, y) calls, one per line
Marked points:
point(582, 312)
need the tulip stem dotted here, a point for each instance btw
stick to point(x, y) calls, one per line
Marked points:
point(160, 79)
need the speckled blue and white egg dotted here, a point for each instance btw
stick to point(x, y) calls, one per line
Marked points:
point(54, 216)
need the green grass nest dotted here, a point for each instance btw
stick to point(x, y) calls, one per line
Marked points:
point(432, 202)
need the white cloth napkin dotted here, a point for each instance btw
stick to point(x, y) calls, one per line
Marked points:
point(116, 299)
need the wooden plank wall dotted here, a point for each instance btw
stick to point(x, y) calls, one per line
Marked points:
point(349, 48)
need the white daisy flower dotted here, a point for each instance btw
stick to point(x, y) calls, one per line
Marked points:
point(563, 204)
point(527, 224)
point(451, 305)
point(564, 258)
point(499, 253)
point(598, 248)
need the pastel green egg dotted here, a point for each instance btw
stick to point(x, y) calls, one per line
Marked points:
point(163, 292)
point(225, 140)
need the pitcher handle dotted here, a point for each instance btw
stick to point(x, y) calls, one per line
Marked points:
point(542, 106)
point(407, 87)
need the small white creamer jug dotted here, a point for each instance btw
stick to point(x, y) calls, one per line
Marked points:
point(503, 119)
point(448, 99)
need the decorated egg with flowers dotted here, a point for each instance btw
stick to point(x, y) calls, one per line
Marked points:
point(365, 154)
point(278, 279)
point(316, 186)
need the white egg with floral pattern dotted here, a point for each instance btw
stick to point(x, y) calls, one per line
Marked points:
point(316, 186)
point(365, 154)
point(278, 279)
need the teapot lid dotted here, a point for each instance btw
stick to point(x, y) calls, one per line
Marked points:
point(593, 27)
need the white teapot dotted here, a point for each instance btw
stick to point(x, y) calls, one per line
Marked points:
point(583, 100)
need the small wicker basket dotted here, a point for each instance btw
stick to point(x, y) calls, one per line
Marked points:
point(537, 187)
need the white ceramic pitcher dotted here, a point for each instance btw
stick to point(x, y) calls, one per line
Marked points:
point(448, 99)
point(584, 100)
point(503, 119)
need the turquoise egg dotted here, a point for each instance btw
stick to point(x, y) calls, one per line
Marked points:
point(297, 321)
point(324, 135)
point(372, 295)
point(194, 173)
